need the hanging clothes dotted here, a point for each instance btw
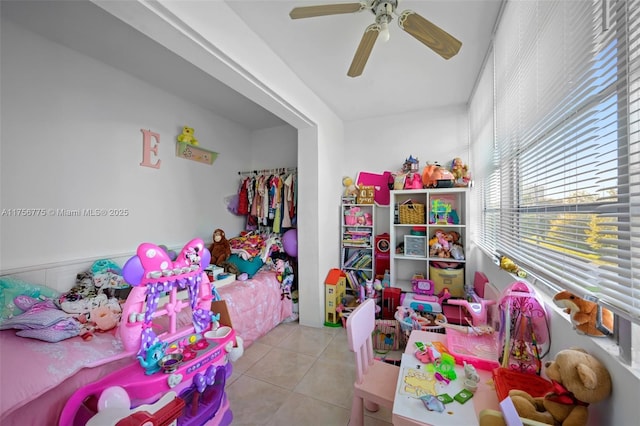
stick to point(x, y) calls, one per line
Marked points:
point(287, 201)
point(243, 200)
point(268, 199)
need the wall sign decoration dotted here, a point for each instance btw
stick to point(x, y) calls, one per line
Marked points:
point(380, 182)
point(148, 148)
point(195, 153)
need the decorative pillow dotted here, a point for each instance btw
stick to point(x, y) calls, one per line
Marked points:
point(249, 267)
point(10, 287)
point(61, 330)
point(41, 315)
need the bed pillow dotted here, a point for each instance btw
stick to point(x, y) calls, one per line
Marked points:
point(41, 315)
point(249, 267)
point(61, 330)
point(10, 287)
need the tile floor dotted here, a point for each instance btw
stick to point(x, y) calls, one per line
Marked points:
point(297, 375)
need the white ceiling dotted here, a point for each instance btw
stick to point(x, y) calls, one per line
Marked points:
point(401, 75)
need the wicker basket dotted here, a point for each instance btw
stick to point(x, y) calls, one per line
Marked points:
point(411, 212)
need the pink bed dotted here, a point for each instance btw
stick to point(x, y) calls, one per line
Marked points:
point(39, 388)
point(256, 305)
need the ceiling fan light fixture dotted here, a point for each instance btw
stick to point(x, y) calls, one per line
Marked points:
point(384, 32)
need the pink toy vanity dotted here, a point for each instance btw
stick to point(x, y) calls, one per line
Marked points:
point(180, 353)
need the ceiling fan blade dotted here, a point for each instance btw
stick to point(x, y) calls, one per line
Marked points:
point(326, 9)
point(434, 37)
point(364, 50)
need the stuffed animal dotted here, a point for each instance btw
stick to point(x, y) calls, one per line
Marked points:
point(460, 172)
point(587, 317)
point(578, 378)
point(220, 248)
point(350, 187)
point(187, 136)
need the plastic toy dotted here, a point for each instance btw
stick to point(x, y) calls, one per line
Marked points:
point(524, 332)
point(434, 176)
point(179, 360)
point(151, 361)
point(460, 172)
point(187, 136)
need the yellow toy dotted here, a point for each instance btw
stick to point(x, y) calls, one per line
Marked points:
point(509, 266)
point(350, 187)
point(187, 136)
point(460, 172)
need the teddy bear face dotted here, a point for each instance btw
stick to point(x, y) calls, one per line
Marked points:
point(581, 374)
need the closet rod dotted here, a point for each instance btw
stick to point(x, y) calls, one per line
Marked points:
point(270, 171)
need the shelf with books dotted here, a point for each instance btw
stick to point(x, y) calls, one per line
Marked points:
point(357, 256)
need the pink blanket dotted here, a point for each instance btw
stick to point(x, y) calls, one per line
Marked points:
point(256, 305)
point(39, 376)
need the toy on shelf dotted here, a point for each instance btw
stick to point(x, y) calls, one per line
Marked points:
point(350, 188)
point(460, 172)
point(434, 176)
point(187, 136)
point(190, 363)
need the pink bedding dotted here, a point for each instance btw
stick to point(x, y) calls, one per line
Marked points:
point(37, 378)
point(255, 305)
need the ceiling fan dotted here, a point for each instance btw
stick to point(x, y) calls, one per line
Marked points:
point(434, 37)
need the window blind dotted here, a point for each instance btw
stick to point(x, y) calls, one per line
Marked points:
point(560, 182)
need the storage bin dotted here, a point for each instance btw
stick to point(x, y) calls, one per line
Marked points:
point(411, 212)
point(452, 279)
point(420, 231)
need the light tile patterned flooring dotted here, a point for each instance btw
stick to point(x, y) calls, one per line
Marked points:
point(297, 375)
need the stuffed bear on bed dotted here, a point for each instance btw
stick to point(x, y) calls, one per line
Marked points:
point(220, 249)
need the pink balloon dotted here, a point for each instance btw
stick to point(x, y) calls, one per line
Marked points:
point(290, 242)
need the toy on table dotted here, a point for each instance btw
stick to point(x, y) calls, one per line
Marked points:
point(220, 248)
point(524, 331)
point(578, 378)
point(586, 316)
point(187, 136)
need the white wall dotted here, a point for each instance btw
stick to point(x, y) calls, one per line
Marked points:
point(379, 144)
point(71, 139)
point(274, 148)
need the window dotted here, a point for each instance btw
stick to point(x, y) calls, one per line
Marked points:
point(558, 161)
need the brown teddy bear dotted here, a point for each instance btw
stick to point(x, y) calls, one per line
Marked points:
point(578, 378)
point(220, 249)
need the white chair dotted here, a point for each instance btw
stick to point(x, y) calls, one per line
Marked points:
point(376, 380)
